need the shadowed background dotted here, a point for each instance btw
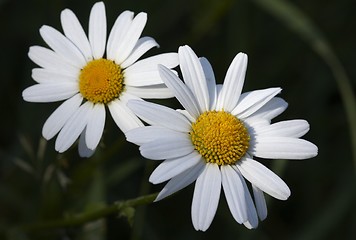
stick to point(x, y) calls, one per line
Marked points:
point(305, 48)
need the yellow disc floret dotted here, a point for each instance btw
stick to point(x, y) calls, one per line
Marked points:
point(101, 81)
point(220, 137)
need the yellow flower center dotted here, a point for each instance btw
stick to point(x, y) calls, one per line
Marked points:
point(101, 81)
point(220, 137)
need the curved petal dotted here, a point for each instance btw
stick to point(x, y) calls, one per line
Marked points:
point(43, 75)
point(233, 83)
point(234, 193)
point(60, 116)
point(124, 118)
point(206, 197)
point(263, 178)
point(250, 102)
point(129, 40)
point(63, 46)
point(271, 109)
point(95, 126)
point(147, 134)
point(181, 181)
point(73, 127)
point(194, 76)
point(173, 167)
point(283, 148)
point(170, 60)
point(50, 92)
point(210, 80)
point(142, 46)
point(75, 32)
point(118, 31)
point(164, 147)
point(97, 30)
point(180, 90)
point(260, 202)
point(83, 150)
point(155, 114)
point(49, 59)
point(291, 128)
point(158, 91)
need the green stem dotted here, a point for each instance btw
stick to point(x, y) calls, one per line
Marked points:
point(79, 219)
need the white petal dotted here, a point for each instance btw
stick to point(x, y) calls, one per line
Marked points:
point(186, 114)
point(181, 181)
point(250, 102)
point(140, 79)
point(158, 91)
point(291, 128)
point(252, 219)
point(170, 60)
point(129, 40)
point(165, 147)
point(233, 83)
point(283, 148)
point(83, 150)
point(260, 202)
point(124, 118)
point(63, 46)
point(142, 46)
point(194, 76)
point(50, 92)
point(210, 80)
point(173, 167)
point(263, 178)
point(95, 127)
point(159, 115)
point(206, 197)
point(60, 116)
point(271, 109)
point(43, 75)
point(118, 31)
point(74, 31)
point(234, 193)
point(97, 30)
point(147, 134)
point(73, 127)
point(180, 90)
point(46, 58)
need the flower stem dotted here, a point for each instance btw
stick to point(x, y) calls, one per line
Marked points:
point(79, 219)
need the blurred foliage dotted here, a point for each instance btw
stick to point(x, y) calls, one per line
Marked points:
point(39, 185)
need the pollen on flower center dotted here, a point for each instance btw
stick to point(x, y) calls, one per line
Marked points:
point(101, 81)
point(220, 137)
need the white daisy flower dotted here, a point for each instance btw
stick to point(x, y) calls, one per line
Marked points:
point(91, 73)
point(213, 141)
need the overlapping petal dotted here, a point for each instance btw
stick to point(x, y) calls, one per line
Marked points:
point(59, 117)
point(194, 76)
point(181, 181)
point(74, 31)
point(172, 167)
point(206, 197)
point(263, 178)
point(155, 114)
point(233, 83)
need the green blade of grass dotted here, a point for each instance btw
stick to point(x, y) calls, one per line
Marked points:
point(301, 25)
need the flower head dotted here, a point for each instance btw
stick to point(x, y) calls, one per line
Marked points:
point(214, 139)
point(91, 72)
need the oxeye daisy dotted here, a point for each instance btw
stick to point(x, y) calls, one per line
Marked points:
point(92, 73)
point(214, 140)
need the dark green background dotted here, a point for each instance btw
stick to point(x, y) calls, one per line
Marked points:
point(32, 182)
